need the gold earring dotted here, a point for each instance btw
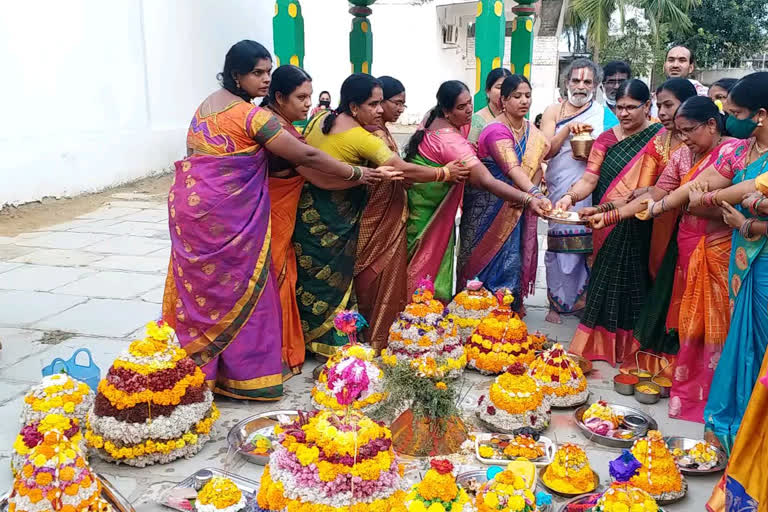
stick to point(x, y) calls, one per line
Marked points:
point(759, 123)
point(237, 83)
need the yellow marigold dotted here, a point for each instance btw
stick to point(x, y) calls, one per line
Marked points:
point(220, 492)
point(122, 400)
point(159, 332)
point(441, 385)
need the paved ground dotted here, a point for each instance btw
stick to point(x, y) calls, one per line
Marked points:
point(96, 280)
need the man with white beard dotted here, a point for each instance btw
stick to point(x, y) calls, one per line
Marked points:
point(569, 246)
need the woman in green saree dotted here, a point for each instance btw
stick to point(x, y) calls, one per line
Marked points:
point(433, 207)
point(328, 219)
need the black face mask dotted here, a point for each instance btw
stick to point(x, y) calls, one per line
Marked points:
point(325, 103)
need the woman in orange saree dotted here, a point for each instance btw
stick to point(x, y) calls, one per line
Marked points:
point(382, 246)
point(623, 159)
point(221, 295)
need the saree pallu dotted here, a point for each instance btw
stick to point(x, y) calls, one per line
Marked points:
point(325, 240)
point(620, 281)
point(499, 242)
point(382, 260)
point(744, 486)
point(491, 239)
point(432, 209)
point(221, 296)
point(284, 195)
point(703, 316)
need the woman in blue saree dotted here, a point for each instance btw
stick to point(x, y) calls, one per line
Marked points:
point(499, 240)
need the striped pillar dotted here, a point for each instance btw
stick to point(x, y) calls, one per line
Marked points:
point(288, 33)
point(361, 37)
point(489, 44)
point(521, 49)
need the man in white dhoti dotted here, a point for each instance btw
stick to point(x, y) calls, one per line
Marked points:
point(569, 246)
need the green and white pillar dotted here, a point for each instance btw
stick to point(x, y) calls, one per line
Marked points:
point(522, 38)
point(361, 37)
point(288, 33)
point(489, 44)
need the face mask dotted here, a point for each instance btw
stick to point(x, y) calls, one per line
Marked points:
point(325, 104)
point(741, 128)
point(579, 101)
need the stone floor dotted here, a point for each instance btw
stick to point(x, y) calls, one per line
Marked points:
point(96, 280)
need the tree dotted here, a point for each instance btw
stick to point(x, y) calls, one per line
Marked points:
point(727, 31)
point(596, 15)
point(634, 46)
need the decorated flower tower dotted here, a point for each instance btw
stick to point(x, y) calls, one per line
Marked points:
point(570, 471)
point(334, 460)
point(55, 477)
point(560, 377)
point(622, 495)
point(439, 486)
point(470, 306)
point(659, 475)
point(33, 433)
point(353, 357)
point(515, 400)
point(153, 406)
point(500, 339)
point(423, 332)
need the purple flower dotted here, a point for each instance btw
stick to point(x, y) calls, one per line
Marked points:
point(624, 467)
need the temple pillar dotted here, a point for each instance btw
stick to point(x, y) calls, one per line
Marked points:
point(521, 48)
point(489, 44)
point(361, 37)
point(288, 33)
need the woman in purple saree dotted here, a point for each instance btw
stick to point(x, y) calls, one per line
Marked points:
point(499, 242)
point(221, 295)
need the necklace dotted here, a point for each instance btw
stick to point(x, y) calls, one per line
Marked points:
point(564, 114)
point(518, 132)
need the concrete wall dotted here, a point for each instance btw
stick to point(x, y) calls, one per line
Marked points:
point(99, 93)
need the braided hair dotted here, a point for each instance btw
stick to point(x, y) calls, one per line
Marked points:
point(355, 90)
point(447, 96)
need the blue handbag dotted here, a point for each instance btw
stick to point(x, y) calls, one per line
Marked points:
point(90, 374)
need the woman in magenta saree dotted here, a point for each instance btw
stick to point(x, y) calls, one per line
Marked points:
point(221, 292)
point(498, 240)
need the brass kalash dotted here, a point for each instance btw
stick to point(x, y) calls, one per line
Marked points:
point(581, 145)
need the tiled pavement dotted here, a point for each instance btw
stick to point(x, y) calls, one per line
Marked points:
point(96, 280)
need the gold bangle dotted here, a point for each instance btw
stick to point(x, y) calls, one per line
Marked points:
point(447, 172)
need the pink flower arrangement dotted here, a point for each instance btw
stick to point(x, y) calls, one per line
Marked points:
point(348, 380)
point(349, 322)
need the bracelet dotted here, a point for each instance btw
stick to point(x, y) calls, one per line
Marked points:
point(527, 201)
point(746, 227)
point(351, 174)
point(611, 217)
point(440, 174)
point(663, 204)
point(708, 199)
point(757, 206)
point(605, 207)
point(754, 205)
point(573, 197)
point(447, 173)
point(358, 173)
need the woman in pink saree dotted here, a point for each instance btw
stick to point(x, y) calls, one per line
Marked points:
point(432, 207)
point(221, 295)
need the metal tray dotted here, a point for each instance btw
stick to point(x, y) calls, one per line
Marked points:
point(494, 428)
point(108, 492)
point(611, 441)
point(548, 445)
point(675, 500)
point(239, 434)
point(577, 404)
point(247, 486)
point(572, 219)
point(686, 443)
point(565, 494)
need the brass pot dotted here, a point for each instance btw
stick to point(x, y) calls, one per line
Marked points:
point(581, 146)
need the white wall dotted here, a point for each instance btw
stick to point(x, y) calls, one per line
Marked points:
point(99, 93)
